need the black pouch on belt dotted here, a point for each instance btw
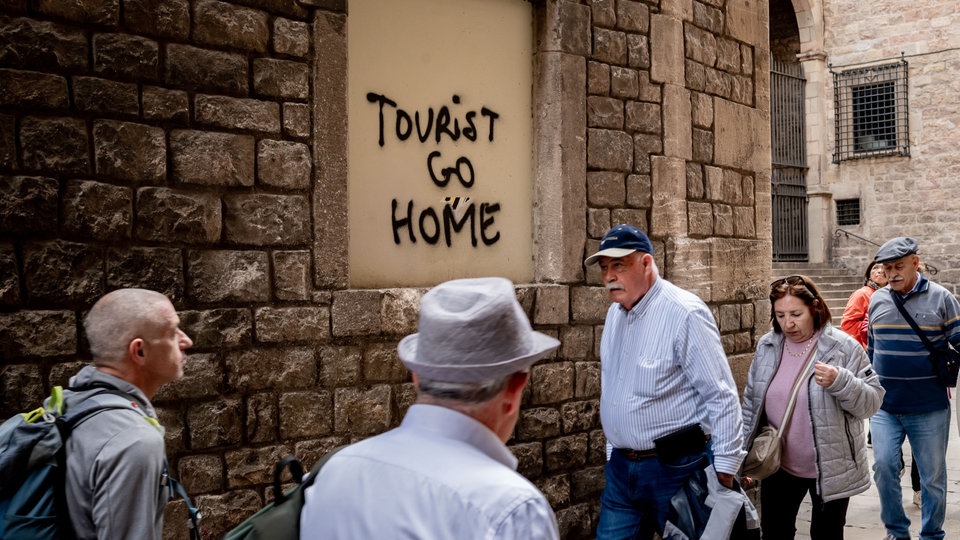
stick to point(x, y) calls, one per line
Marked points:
point(686, 441)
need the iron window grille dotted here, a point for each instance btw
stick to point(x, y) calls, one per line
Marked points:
point(848, 212)
point(871, 112)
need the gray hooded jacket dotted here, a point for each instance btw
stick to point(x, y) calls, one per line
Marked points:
point(837, 412)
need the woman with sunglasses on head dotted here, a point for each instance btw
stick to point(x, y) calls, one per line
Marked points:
point(823, 451)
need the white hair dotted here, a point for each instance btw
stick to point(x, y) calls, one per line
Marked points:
point(118, 318)
point(462, 394)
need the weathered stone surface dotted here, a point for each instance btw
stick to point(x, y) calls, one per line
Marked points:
point(126, 56)
point(538, 423)
point(164, 104)
point(42, 45)
point(267, 220)
point(261, 425)
point(33, 90)
point(605, 188)
point(167, 18)
point(552, 305)
point(296, 120)
point(572, 34)
point(209, 158)
point(201, 473)
point(744, 222)
point(363, 411)
point(700, 218)
point(339, 366)
point(580, 415)
point(165, 214)
point(218, 328)
point(638, 53)
point(702, 143)
point(624, 82)
point(529, 457)
point(382, 364)
point(701, 46)
point(669, 197)
point(227, 25)
point(306, 414)
point(220, 512)
point(576, 342)
point(609, 46)
point(575, 521)
point(568, 452)
point(598, 221)
point(223, 275)
point(291, 37)
point(237, 113)
point(28, 204)
point(645, 144)
point(260, 369)
point(552, 383)
point(588, 377)
point(289, 324)
point(556, 489)
point(61, 372)
point(643, 117)
point(283, 164)
point(586, 483)
point(55, 144)
point(158, 269)
point(604, 112)
point(588, 305)
point(356, 312)
point(62, 272)
point(401, 311)
point(666, 49)
point(193, 67)
point(281, 78)
point(102, 96)
point(37, 333)
point(609, 149)
point(215, 423)
point(291, 270)
point(105, 12)
point(201, 379)
point(97, 210)
point(639, 191)
point(130, 151)
point(633, 16)
point(21, 384)
point(9, 278)
point(253, 466)
point(598, 78)
point(8, 142)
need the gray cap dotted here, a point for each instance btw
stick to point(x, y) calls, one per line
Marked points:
point(896, 248)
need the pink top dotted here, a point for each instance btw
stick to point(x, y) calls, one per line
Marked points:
point(798, 456)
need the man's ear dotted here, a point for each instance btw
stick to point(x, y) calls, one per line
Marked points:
point(135, 350)
point(515, 387)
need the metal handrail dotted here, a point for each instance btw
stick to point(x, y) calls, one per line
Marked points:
point(928, 267)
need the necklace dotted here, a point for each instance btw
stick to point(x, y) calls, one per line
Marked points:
point(802, 354)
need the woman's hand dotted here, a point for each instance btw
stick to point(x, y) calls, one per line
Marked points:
point(824, 374)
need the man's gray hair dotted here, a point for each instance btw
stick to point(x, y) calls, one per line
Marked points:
point(472, 393)
point(118, 318)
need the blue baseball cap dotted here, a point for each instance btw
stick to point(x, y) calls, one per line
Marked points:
point(621, 241)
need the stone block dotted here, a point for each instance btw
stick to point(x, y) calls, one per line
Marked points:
point(708, 17)
point(42, 45)
point(201, 379)
point(129, 151)
point(604, 13)
point(576, 342)
point(254, 466)
point(61, 372)
point(556, 489)
point(552, 305)
point(262, 369)
point(701, 46)
point(296, 120)
point(339, 365)
point(587, 483)
point(598, 78)
point(638, 191)
point(165, 104)
point(8, 142)
point(281, 78)
point(284, 164)
point(633, 16)
point(37, 333)
point(668, 212)
point(744, 222)
point(63, 272)
point(609, 46)
point(588, 305)
point(624, 82)
point(638, 56)
point(101, 12)
point(747, 21)
point(743, 274)
point(363, 411)
point(173, 423)
point(223, 24)
point(237, 113)
point(609, 149)
point(728, 55)
point(290, 272)
point(588, 378)
point(305, 414)
point(630, 215)
point(598, 221)
point(696, 77)
point(158, 269)
point(105, 97)
point(529, 458)
point(381, 363)
point(207, 158)
point(604, 112)
point(33, 90)
point(580, 415)
point(291, 37)
point(218, 328)
point(702, 143)
point(645, 145)
point(167, 18)
point(605, 188)
point(288, 324)
point(9, 276)
point(28, 204)
point(677, 122)
point(551, 383)
point(201, 473)
point(356, 313)
point(702, 109)
point(126, 56)
point(194, 67)
point(742, 137)
point(695, 184)
point(266, 220)
point(666, 50)
point(21, 385)
point(569, 452)
point(261, 425)
point(538, 423)
point(643, 117)
point(723, 219)
point(165, 215)
point(729, 318)
point(598, 447)
point(57, 145)
point(401, 311)
point(221, 512)
point(700, 218)
point(224, 275)
point(97, 210)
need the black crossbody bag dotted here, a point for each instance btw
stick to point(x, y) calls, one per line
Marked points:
point(945, 359)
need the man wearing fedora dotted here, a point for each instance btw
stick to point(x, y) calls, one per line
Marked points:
point(916, 405)
point(668, 401)
point(445, 472)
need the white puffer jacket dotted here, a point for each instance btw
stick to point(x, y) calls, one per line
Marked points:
point(837, 412)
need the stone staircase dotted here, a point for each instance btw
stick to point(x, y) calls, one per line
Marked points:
point(836, 284)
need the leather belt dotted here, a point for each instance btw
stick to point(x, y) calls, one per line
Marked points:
point(637, 455)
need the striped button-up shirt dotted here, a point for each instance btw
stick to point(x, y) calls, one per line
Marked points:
point(663, 368)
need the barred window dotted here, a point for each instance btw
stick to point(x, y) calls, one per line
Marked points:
point(871, 112)
point(848, 212)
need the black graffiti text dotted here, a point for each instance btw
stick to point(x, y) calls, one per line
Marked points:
point(433, 227)
point(431, 123)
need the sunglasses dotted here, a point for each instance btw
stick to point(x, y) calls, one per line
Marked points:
point(792, 280)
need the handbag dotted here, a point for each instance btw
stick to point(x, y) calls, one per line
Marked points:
point(763, 459)
point(945, 359)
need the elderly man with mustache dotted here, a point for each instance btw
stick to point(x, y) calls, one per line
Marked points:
point(668, 401)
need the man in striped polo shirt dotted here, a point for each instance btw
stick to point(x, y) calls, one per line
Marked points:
point(916, 405)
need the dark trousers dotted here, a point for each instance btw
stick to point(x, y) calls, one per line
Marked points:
point(780, 498)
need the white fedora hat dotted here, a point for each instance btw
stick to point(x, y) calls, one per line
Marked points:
point(472, 330)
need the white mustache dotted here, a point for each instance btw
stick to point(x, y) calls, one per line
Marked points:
point(898, 278)
point(613, 287)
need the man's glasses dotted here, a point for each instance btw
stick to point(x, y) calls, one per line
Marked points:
point(792, 280)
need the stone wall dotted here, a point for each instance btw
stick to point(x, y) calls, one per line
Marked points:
point(198, 148)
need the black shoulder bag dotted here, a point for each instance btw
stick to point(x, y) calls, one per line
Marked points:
point(945, 359)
